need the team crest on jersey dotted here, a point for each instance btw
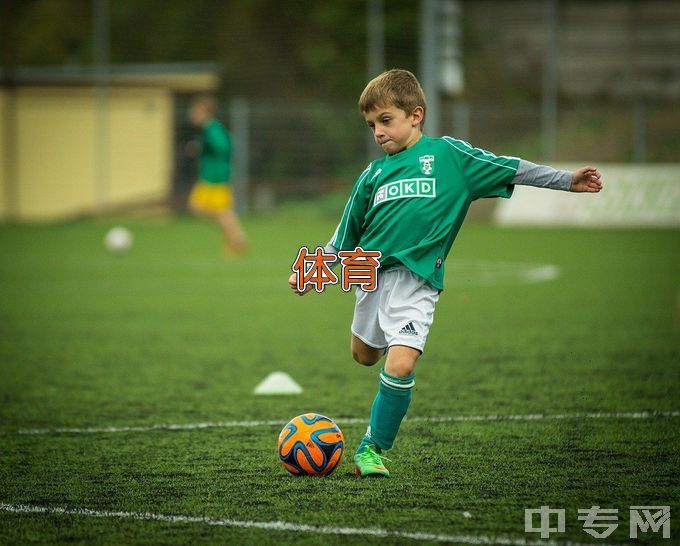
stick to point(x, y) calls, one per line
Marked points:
point(426, 164)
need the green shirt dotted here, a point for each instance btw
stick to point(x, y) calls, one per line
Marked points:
point(215, 159)
point(411, 205)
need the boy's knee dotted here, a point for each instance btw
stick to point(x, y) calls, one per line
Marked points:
point(365, 359)
point(401, 361)
point(365, 354)
point(401, 368)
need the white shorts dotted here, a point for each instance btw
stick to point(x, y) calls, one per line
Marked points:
point(398, 312)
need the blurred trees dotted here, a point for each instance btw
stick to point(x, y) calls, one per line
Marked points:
point(307, 51)
point(265, 47)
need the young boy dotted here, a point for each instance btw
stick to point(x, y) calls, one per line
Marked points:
point(211, 196)
point(410, 205)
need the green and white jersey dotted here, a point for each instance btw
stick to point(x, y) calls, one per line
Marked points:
point(411, 205)
point(215, 159)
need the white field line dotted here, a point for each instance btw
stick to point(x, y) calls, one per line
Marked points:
point(281, 526)
point(347, 420)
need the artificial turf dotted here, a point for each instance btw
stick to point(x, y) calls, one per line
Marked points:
point(174, 332)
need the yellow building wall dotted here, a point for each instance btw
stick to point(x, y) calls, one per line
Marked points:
point(55, 152)
point(3, 148)
point(67, 166)
point(140, 137)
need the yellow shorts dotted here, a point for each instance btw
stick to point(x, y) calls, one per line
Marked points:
point(206, 197)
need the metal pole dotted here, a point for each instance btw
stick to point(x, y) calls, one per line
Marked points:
point(9, 123)
point(239, 124)
point(375, 33)
point(549, 87)
point(639, 130)
point(101, 57)
point(451, 23)
point(375, 54)
point(639, 105)
point(461, 120)
point(429, 64)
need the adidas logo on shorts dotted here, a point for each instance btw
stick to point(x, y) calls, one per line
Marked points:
point(409, 329)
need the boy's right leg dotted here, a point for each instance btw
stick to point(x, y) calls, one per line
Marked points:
point(363, 353)
point(233, 232)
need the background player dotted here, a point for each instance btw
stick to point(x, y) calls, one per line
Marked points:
point(410, 205)
point(212, 195)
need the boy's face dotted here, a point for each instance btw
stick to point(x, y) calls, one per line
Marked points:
point(198, 115)
point(394, 130)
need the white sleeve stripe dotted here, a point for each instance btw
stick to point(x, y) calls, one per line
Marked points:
point(335, 234)
point(449, 139)
point(348, 209)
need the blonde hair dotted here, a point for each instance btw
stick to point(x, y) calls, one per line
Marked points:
point(396, 87)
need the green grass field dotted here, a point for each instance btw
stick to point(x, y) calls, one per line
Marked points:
point(174, 333)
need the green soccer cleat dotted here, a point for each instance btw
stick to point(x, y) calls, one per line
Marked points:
point(370, 463)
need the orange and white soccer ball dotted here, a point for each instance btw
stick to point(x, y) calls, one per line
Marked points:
point(311, 445)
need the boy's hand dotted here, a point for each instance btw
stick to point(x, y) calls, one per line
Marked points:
point(292, 282)
point(586, 179)
point(192, 148)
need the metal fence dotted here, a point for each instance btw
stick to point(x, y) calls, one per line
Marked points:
point(547, 80)
point(285, 150)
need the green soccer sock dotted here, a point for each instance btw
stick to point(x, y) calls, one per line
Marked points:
point(388, 410)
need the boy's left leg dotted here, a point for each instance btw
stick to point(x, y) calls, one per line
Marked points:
point(391, 403)
point(401, 361)
point(405, 316)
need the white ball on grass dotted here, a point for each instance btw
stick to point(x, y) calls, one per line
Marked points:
point(118, 240)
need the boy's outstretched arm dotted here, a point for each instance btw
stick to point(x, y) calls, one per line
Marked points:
point(586, 179)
